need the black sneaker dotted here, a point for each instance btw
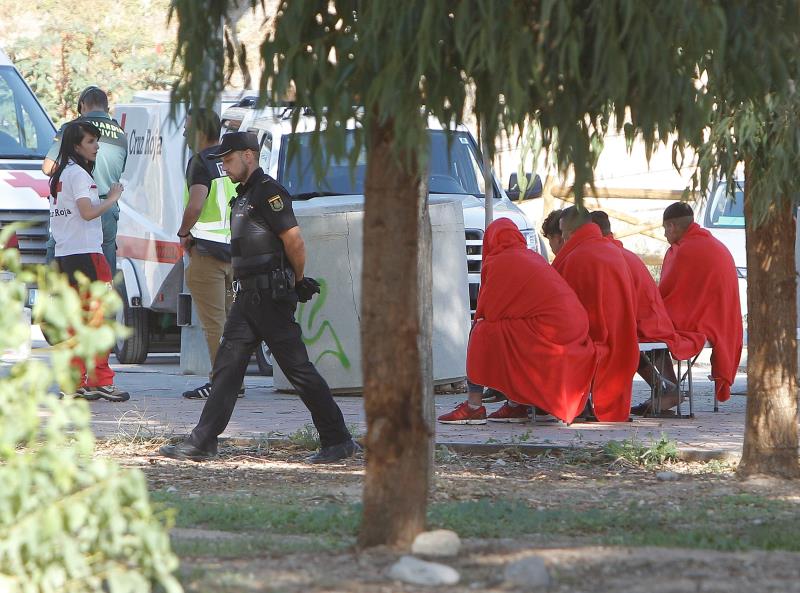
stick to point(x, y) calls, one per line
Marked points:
point(204, 391)
point(334, 453)
point(187, 450)
point(108, 392)
point(201, 392)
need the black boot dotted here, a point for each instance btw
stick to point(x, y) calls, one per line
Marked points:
point(186, 450)
point(334, 453)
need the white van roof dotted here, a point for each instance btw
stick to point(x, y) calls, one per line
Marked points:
point(4, 59)
point(228, 96)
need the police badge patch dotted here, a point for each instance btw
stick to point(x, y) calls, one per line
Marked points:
point(276, 203)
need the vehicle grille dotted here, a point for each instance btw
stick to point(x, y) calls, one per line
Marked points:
point(32, 237)
point(474, 248)
point(474, 241)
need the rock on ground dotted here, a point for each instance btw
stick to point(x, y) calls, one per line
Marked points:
point(527, 573)
point(418, 572)
point(667, 476)
point(440, 542)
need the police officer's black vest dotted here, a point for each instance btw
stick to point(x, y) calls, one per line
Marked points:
point(255, 249)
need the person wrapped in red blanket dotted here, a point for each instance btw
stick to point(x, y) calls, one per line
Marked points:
point(653, 324)
point(701, 292)
point(531, 335)
point(597, 272)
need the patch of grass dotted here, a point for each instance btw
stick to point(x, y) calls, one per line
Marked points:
point(138, 427)
point(740, 522)
point(444, 455)
point(715, 466)
point(737, 522)
point(306, 437)
point(637, 452)
point(250, 513)
point(518, 439)
point(580, 455)
point(250, 546)
point(356, 432)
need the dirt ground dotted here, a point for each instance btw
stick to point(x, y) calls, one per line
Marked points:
point(568, 485)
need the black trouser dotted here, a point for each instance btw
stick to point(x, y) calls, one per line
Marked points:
point(255, 317)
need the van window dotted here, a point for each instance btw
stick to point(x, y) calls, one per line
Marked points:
point(453, 168)
point(726, 210)
point(265, 153)
point(25, 130)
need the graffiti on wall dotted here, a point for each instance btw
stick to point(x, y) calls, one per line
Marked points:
point(320, 332)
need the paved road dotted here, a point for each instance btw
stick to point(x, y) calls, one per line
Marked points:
point(156, 408)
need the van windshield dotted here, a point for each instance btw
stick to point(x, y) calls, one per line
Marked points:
point(453, 171)
point(25, 130)
point(726, 210)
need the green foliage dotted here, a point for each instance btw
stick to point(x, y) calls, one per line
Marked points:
point(70, 45)
point(575, 67)
point(68, 522)
point(635, 451)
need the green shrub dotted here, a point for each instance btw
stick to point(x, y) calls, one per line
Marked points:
point(68, 522)
point(638, 453)
point(306, 438)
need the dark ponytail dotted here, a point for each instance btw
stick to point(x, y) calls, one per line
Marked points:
point(73, 134)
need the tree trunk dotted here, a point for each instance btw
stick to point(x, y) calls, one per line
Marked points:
point(396, 345)
point(770, 438)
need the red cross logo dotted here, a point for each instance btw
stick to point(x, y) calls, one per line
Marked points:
point(20, 179)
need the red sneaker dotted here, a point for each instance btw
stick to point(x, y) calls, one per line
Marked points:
point(463, 414)
point(508, 413)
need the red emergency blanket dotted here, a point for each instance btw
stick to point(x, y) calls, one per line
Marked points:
point(701, 292)
point(596, 270)
point(531, 335)
point(653, 323)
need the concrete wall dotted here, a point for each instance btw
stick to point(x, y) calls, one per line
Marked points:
point(331, 320)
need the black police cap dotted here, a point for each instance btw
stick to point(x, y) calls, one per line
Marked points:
point(236, 141)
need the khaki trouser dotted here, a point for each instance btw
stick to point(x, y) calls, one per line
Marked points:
point(210, 279)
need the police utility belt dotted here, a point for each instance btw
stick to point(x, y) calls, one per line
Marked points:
point(279, 281)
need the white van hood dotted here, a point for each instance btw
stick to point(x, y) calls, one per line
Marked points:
point(474, 213)
point(23, 186)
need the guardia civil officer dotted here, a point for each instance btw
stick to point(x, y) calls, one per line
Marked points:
point(108, 168)
point(268, 257)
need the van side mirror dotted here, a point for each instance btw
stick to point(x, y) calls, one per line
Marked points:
point(533, 190)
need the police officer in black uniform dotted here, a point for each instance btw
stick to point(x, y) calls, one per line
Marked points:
point(268, 257)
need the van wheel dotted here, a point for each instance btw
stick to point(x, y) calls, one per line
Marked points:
point(134, 349)
point(264, 359)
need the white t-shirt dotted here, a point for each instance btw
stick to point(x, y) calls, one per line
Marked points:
point(71, 232)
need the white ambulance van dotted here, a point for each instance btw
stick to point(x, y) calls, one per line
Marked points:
point(26, 134)
point(149, 254)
